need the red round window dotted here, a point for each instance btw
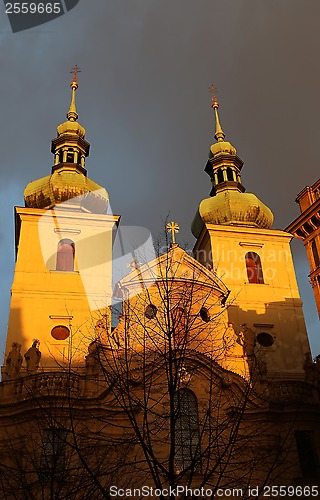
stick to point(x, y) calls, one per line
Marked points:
point(60, 332)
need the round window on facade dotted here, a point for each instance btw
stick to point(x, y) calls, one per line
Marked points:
point(265, 339)
point(60, 332)
point(204, 314)
point(151, 311)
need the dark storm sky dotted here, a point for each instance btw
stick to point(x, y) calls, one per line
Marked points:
point(143, 99)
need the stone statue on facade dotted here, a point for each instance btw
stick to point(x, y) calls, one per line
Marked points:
point(248, 340)
point(101, 329)
point(231, 342)
point(32, 357)
point(110, 339)
point(14, 361)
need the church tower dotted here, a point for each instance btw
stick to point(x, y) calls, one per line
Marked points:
point(235, 239)
point(62, 282)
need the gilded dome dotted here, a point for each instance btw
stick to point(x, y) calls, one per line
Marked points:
point(71, 128)
point(231, 207)
point(222, 147)
point(66, 184)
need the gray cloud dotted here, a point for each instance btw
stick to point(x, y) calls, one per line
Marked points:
point(143, 98)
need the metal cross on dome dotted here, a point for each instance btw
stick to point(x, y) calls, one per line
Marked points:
point(75, 71)
point(173, 227)
point(213, 91)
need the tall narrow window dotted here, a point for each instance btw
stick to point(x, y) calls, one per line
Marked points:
point(70, 155)
point(254, 269)
point(65, 255)
point(220, 176)
point(53, 456)
point(179, 326)
point(308, 459)
point(315, 253)
point(230, 174)
point(187, 436)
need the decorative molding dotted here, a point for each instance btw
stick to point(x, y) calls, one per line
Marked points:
point(54, 317)
point(64, 272)
point(245, 244)
point(72, 231)
point(263, 325)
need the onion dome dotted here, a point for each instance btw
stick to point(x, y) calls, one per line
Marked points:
point(228, 204)
point(68, 180)
point(66, 185)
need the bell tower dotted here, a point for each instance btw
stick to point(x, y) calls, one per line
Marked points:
point(62, 281)
point(235, 239)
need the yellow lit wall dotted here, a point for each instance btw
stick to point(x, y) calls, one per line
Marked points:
point(43, 297)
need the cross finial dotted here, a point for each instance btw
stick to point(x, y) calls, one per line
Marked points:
point(214, 100)
point(134, 264)
point(75, 71)
point(173, 227)
point(72, 114)
point(219, 135)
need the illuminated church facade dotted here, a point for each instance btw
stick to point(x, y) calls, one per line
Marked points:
point(208, 378)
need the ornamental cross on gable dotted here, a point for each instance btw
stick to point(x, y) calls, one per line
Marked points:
point(173, 227)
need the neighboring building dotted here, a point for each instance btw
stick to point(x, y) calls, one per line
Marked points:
point(206, 382)
point(307, 228)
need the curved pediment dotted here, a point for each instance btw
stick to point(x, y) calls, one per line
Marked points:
point(198, 372)
point(175, 265)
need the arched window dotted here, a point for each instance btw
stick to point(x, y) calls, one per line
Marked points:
point(53, 456)
point(65, 255)
point(70, 155)
point(315, 253)
point(230, 174)
point(187, 436)
point(254, 269)
point(220, 176)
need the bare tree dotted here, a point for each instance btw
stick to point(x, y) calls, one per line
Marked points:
point(190, 391)
point(171, 399)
